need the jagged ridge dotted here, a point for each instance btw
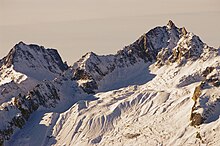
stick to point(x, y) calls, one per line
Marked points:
point(163, 45)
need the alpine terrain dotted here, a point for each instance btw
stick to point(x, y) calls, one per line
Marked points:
point(161, 90)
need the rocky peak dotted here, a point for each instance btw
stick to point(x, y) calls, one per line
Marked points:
point(145, 49)
point(189, 47)
point(184, 31)
point(170, 24)
point(162, 38)
point(34, 60)
point(8, 60)
point(50, 55)
point(163, 44)
point(191, 43)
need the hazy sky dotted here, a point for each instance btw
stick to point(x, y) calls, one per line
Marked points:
point(75, 27)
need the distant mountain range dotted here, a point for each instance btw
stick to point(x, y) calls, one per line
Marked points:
point(163, 89)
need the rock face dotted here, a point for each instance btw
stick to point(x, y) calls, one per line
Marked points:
point(205, 105)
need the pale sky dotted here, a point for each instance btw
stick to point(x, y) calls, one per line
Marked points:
point(75, 27)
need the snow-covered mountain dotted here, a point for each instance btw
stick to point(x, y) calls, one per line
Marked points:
point(163, 89)
point(25, 66)
point(161, 45)
point(34, 61)
point(23, 72)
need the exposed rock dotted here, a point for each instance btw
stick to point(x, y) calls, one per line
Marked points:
point(201, 111)
point(170, 24)
point(197, 93)
point(196, 119)
point(153, 46)
point(131, 136)
point(217, 83)
point(89, 87)
point(207, 71)
point(28, 104)
point(190, 47)
point(184, 31)
point(8, 60)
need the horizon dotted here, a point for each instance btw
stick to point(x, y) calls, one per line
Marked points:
point(58, 25)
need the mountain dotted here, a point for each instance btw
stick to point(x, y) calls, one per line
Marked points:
point(92, 70)
point(25, 66)
point(162, 45)
point(34, 61)
point(163, 89)
point(27, 71)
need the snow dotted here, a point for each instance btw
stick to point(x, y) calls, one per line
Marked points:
point(154, 113)
point(9, 74)
point(137, 74)
point(135, 104)
point(37, 62)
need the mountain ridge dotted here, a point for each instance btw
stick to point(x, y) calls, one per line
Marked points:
point(167, 44)
point(153, 68)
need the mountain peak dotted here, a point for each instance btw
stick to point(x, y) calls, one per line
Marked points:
point(145, 49)
point(184, 31)
point(170, 24)
point(90, 54)
point(33, 59)
point(21, 43)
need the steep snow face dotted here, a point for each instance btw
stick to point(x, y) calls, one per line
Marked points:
point(34, 61)
point(29, 64)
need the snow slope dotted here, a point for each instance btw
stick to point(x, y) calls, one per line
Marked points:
point(156, 113)
point(161, 90)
